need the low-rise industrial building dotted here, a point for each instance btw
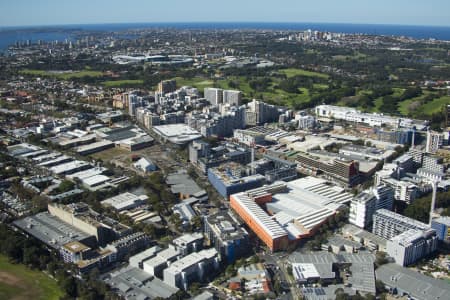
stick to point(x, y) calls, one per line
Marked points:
point(297, 209)
point(52, 231)
point(310, 268)
point(406, 282)
point(94, 147)
point(125, 201)
point(70, 167)
point(134, 284)
point(82, 217)
point(179, 134)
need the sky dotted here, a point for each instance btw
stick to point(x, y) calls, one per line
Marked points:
point(59, 12)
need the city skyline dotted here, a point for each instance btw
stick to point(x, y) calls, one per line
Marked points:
point(51, 12)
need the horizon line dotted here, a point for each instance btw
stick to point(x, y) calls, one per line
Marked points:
point(216, 22)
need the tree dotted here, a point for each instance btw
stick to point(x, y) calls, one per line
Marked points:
point(65, 186)
point(195, 288)
point(289, 270)
point(381, 259)
point(230, 270)
point(39, 203)
point(196, 222)
point(277, 287)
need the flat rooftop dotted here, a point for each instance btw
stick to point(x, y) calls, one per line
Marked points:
point(135, 284)
point(50, 230)
point(417, 285)
point(191, 259)
point(124, 200)
point(177, 133)
point(70, 166)
point(181, 182)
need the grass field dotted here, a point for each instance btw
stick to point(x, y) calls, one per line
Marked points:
point(63, 75)
point(291, 72)
point(272, 94)
point(109, 154)
point(17, 282)
point(435, 106)
point(198, 82)
point(123, 83)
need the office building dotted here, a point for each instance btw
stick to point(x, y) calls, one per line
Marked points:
point(214, 96)
point(362, 209)
point(399, 136)
point(433, 163)
point(442, 227)
point(411, 245)
point(232, 97)
point(384, 195)
point(198, 149)
point(138, 259)
point(189, 243)
point(434, 141)
point(259, 113)
point(156, 265)
point(195, 267)
point(230, 240)
point(129, 245)
point(405, 162)
point(167, 86)
point(230, 178)
point(344, 171)
point(389, 224)
point(403, 190)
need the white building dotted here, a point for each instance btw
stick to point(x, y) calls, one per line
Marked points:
point(305, 122)
point(389, 224)
point(403, 191)
point(362, 208)
point(352, 115)
point(412, 245)
point(364, 205)
point(214, 95)
point(434, 141)
point(232, 97)
point(194, 267)
point(145, 165)
point(125, 201)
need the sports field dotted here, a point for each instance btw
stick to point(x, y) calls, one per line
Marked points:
point(17, 282)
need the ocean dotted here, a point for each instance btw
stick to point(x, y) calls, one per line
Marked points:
point(9, 35)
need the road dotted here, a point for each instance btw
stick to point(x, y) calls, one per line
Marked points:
point(279, 260)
